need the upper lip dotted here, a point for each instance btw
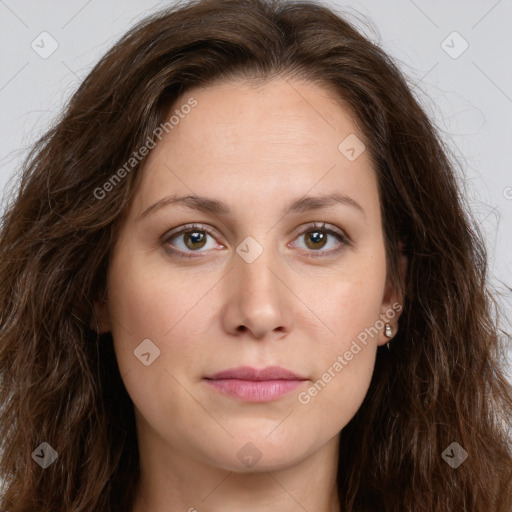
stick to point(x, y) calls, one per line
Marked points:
point(250, 373)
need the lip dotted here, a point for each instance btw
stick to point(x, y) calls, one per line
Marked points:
point(255, 385)
point(255, 374)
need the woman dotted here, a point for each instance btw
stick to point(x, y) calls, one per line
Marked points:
point(239, 273)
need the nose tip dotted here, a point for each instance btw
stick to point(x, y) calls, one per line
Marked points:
point(256, 301)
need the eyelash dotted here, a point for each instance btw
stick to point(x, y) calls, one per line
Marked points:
point(345, 241)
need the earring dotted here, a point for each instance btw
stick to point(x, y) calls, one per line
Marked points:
point(388, 332)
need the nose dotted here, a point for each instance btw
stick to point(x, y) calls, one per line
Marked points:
point(258, 302)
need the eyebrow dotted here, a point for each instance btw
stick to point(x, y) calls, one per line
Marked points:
point(216, 207)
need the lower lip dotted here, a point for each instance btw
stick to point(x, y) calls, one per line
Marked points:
point(255, 390)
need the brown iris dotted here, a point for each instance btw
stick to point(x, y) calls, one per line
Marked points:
point(316, 237)
point(197, 239)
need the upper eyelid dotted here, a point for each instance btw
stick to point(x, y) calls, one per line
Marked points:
point(188, 227)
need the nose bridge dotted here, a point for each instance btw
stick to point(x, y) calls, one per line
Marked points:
point(254, 261)
point(256, 293)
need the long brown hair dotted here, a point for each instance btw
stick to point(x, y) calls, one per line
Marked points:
point(440, 383)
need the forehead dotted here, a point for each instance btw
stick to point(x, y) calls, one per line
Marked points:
point(249, 145)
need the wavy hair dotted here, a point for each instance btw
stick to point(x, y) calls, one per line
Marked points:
point(443, 379)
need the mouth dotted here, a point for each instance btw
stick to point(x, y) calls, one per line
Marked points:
point(255, 385)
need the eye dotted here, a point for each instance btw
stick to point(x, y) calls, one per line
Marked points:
point(192, 240)
point(317, 237)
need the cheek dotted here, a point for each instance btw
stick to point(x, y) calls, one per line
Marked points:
point(349, 306)
point(147, 299)
point(159, 314)
point(141, 315)
point(345, 355)
point(344, 371)
point(138, 310)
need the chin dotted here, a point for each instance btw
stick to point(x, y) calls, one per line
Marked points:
point(256, 454)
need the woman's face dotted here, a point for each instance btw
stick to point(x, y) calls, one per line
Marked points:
point(252, 283)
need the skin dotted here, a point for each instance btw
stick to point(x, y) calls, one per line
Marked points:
point(257, 149)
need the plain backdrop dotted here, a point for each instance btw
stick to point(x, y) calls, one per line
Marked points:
point(456, 55)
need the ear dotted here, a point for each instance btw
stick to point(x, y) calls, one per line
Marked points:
point(101, 317)
point(393, 300)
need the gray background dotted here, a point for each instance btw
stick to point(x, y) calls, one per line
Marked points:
point(467, 93)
